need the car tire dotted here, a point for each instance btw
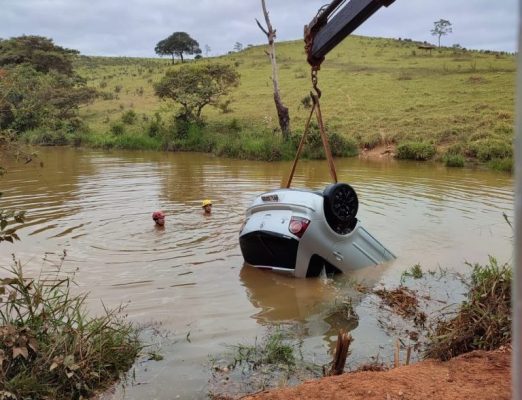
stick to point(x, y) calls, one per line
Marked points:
point(340, 206)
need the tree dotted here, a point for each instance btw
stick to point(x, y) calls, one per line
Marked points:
point(177, 44)
point(38, 51)
point(38, 86)
point(195, 85)
point(282, 110)
point(207, 50)
point(238, 46)
point(441, 27)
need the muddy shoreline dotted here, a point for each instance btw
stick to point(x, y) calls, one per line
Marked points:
point(477, 375)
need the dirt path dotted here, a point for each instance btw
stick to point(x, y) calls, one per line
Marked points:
point(478, 375)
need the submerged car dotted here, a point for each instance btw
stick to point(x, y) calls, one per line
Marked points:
point(303, 232)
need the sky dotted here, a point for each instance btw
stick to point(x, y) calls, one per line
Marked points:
point(133, 27)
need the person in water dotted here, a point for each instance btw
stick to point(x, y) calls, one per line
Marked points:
point(159, 218)
point(207, 207)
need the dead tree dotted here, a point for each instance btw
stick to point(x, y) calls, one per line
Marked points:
point(282, 110)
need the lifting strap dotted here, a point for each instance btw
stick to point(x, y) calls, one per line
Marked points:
point(309, 34)
point(326, 145)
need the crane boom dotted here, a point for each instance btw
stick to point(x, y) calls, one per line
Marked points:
point(323, 34)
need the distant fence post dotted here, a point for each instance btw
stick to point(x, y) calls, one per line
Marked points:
point(517, 268)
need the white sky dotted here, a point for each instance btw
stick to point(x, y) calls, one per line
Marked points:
point(133, 27)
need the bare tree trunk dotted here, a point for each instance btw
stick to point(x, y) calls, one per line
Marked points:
point(341, 352)
point(282, 110)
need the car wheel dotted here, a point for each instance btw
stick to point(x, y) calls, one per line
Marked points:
point(340, 206)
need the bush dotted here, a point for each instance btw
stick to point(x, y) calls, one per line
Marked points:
point(453, 160)
point(181, 126)
point(314, 149)
point(489, 149)
point(415, 151)
point(501, 164)
point(370, 140)
point(343, 147)
point(117, 129)
point(107, 95)
point(48, 137)
point(155, 126)
point(129, 117)
point(50, 349)
point(135, 142)
point(483, 320)
point(234, 125)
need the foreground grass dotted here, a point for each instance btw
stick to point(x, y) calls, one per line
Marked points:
point(483, 321)
point(50, 348)
point(454, 105)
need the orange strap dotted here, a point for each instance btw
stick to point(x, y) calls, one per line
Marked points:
point(316, 107)
point(301, 144)
point(326, 144)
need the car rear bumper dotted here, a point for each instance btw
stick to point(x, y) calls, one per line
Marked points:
point(262, 248)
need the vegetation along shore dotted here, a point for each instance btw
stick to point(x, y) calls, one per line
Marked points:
point(447, 104)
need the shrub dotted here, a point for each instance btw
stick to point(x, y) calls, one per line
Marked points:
point(483, 320)
point(421, 151)
point(488, 149)
point(370, 140)
point(340, 146)
point(117, 129)
point(155, 126)
point(47, 137)
point(453, 160)
point(181, 126)
point(234, 125)
point(501, 164)
point(50, 348)
point(107, 95)
point(129, 117)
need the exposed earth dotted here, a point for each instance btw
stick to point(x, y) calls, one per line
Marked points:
point(478, 375)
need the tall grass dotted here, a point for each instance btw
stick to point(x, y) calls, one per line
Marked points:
point(421, 151)
point(483, 320)
point(50, 348)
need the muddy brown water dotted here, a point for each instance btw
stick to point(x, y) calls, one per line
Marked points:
point(188, 278)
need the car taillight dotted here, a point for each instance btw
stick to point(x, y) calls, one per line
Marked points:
point(298, 226)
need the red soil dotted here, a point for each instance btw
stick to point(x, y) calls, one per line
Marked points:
point(479, 375)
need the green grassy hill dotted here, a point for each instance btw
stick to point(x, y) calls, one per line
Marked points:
point(374, 92)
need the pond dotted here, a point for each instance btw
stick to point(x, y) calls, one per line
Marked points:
point(188, 278)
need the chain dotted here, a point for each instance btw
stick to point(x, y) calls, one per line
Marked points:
point(314, 82)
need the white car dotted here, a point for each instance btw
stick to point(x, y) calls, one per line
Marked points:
point(301, 232)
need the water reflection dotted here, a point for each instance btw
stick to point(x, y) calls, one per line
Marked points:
point(321, 305)
point(282, 297)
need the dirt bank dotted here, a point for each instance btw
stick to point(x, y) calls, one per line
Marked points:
point(478, 375)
